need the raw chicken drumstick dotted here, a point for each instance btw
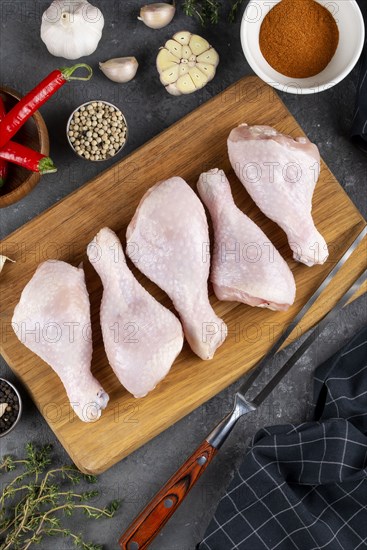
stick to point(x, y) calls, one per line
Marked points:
point(280, 175)
point(168, 240)
point(52, 319)
point(142, 338)
point(246, 267)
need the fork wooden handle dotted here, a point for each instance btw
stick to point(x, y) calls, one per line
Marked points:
point(150, 521)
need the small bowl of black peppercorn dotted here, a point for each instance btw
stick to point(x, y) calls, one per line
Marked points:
point(10, 407)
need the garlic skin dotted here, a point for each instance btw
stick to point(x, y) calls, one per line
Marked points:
point(120, 69)
point(71, 28)
point(3, 260)
point(157, 16)
point(186, 63)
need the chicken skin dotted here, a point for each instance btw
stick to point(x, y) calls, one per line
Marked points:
point(168, 240)
point(52, 319)
point(246, 267)
point(280, 174)
point(142, 338)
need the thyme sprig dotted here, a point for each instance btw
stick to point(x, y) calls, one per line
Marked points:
point(210, 11)
point(33, 502)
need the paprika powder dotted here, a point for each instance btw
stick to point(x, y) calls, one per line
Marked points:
point(298, 38)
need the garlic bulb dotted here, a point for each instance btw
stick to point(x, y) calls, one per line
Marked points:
point(186, 63)
point(71, 28)
point(120, 69)
point(157, 16)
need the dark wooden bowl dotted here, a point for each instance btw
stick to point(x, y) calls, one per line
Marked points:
point(33, 134)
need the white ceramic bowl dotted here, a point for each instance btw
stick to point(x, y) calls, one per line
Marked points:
point(349, 19)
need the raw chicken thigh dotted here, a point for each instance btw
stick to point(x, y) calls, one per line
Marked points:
point(246, 267)
point(142, 338)
point(52, 319)
point(280, 175)
point(168, 240)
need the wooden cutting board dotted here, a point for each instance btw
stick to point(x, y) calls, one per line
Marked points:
point(196, 143)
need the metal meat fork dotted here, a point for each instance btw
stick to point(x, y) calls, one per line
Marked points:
point(163, 505)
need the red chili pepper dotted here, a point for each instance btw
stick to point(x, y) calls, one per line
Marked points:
point(3, 163)
point(25, 108)
point(32, 160)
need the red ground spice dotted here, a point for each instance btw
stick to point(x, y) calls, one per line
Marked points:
point(298, 38)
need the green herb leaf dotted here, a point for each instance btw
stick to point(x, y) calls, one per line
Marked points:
point(210, 11)
point(37, 499)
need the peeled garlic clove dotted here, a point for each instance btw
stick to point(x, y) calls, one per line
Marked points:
point(170, 75)
point(198, 44)
point(210, 56)
point(120, 69)
point(186, 52)
point(157, 16)
point(165, 59)
point(174, 48)
point(198, 77)
point(185, 84)
point(183, 71)
point(207, 69)
point(182, 37)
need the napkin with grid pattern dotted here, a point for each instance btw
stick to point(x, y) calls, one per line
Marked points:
point(305, 487)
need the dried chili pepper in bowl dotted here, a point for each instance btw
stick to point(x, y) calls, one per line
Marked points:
point(24, 119)
point(28, 158)
point(33, 134)
point(32, 101)
point(3, 163)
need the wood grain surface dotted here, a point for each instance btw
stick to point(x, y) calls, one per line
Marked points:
point(146, 526)
point(196, 143)
point(33, 134)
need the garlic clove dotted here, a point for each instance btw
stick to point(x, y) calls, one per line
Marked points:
point(207, 69)
point(157, 16)
point(185, 84)
point(183, 69)
point(198, 77)
point(174, 48)
point(186, 52)
point(120, 69)
point(170, 75)
point(210, 56)
point(182, 37)
point(165, 60)
point(198, 44)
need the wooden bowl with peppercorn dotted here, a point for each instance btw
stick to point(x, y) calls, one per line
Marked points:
point(302, 46)
point(33, 134)
point(10, 407)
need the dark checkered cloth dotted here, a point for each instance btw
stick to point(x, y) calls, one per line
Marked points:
point(305, 487)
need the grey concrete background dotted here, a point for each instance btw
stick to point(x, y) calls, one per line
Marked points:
point(326, 119)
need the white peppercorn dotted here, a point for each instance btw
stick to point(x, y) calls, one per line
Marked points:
point(97, 131)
